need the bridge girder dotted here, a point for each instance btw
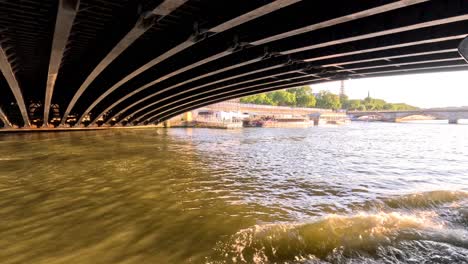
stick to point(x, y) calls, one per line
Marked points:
point(278, 4)
point(4, 119)
point(318, 67)
point(151, 59)
point(143, 24)
point(264, 87)
point(66, 13)
point(446, 20)
point(222, 54)
point(9, 74)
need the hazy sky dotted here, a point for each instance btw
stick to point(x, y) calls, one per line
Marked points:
point(422, 90)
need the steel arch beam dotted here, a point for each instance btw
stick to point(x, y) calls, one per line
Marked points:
point(165, 89)
point(223, 98)
point(215, 89)
point(341, 64)
point(228, 97)
point(144, 23)
point(266, 9)
point(4, 119)
point(328, 23)
point(67, 10)
point(377, 74)
point(362, 52)
point(146, 86)
point(409, 71)
point(383, 33)
point(339, 20)
point(386, 47)
point(229, 91)
point(398, 64)
point(380, 33)
point(7, 71)
point(197, 87)
point(405, 70)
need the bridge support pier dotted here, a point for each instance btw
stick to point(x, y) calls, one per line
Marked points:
point(453, 121)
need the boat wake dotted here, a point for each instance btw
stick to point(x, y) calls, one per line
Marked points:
point(427, 227)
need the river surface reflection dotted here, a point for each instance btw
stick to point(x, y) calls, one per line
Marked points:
point(363, 193)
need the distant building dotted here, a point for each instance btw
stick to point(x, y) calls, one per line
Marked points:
point(211, 115)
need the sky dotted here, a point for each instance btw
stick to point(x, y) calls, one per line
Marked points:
point(421, 90)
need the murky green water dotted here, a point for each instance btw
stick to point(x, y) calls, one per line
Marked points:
point(363, 193)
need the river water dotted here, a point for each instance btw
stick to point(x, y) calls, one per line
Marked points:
point(361, 193)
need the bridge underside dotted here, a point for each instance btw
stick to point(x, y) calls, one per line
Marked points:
point(95, 62)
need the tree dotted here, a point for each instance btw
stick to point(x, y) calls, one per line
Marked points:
point(284, 98)
point(306, 100)
point(402, 106)
point(362, 108)
point(304, 96)
point(299, 91)
point(354, 105)
point(328, 100)
point(388, 106)
point(344, 100)
point(298, 96)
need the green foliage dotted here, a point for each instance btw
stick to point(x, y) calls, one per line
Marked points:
point(303, 97)
point(328, 100)
point(370, 103)
point(300, 96)
point(344, 100)
point(402, 106)
point(354, 105)
point(284, 98)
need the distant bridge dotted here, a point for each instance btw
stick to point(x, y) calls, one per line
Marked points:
point(265, 109)
point(450, 114)
point(94, 62)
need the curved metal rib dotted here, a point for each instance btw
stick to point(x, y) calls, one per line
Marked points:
point(340, 20)
point(380, 33)
point(311, 59)
point(269, 88)
point(229, 91)
point(6, 69)
point(165, 77)
point(401, 45)
point(411, 70)
point(266, 9)
point(398, 64)
point(328, 23)
point(143, 24)
point(207, 91)
point(340, 64)
point(66, 13)
point(191, 89)
point(401, 71)
point(4, 119)
point(171, 87)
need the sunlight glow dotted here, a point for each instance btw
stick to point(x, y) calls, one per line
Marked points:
point(422, 90)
